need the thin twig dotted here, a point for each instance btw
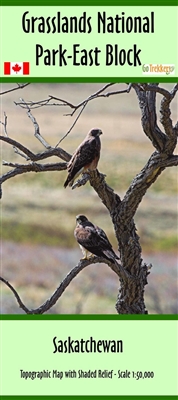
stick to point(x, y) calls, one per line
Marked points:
point(95, 95)
point(65, 103)
point(83, 104)
point(5, 124)
point(20, 86)
point(72, 125)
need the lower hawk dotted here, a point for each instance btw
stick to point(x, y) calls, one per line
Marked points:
point(93, 239)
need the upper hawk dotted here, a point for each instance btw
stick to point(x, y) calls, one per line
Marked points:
point(93, 239)
point(85, 157)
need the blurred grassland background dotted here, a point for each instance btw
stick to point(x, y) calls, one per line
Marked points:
point(38, 214)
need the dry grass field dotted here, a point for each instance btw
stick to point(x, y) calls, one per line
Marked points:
point(38, 214)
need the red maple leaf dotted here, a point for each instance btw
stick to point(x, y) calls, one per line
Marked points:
point(16, 68)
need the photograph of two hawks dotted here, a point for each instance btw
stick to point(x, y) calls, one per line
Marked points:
point(92, 239)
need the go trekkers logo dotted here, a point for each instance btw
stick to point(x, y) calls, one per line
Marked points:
point(153, 69)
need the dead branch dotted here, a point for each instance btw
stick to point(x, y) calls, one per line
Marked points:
point(117, 268)
point(163, 141)
point(30, 156)
point(81, 181)
point(20, 169)
point(59, 152)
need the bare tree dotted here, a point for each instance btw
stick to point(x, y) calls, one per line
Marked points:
point(131, 271)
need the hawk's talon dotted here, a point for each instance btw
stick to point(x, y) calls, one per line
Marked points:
point(87, 257)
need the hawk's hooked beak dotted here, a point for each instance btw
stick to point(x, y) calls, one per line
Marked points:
point(78, 218)
point(81, 218)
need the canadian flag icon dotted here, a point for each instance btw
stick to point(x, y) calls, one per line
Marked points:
point(16, 68)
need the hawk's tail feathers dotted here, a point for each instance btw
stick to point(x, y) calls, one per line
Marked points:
point(111, 255)
point(66, 182)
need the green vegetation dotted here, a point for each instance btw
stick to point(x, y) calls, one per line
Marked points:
point(34, 214)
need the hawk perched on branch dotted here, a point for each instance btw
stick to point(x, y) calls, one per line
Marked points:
point(93, 239)
point(85, 157)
